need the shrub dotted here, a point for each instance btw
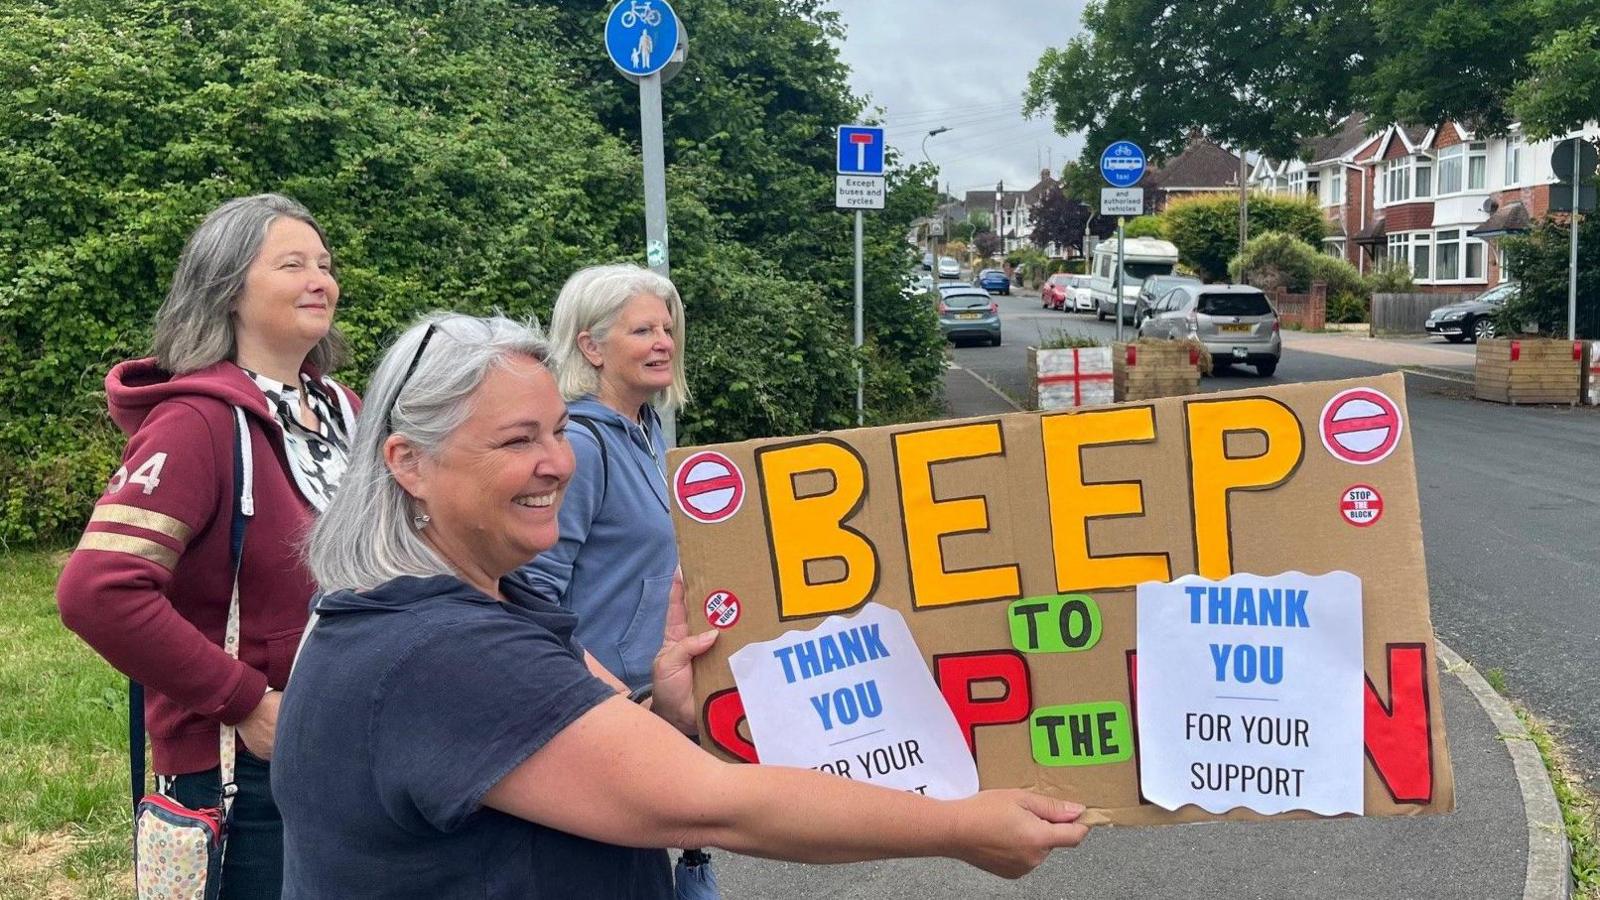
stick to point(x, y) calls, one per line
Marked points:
point(1063, 339)
point(460, 155)
point(1205, 228)
point(1277, 260)
point(1144, 226)
point(1348, 308)
point(1539, 260)
point(1389, 277)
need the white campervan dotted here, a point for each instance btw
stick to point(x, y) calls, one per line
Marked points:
point(1144, 257)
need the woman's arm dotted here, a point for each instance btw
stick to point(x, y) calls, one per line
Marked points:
point(112, 592)
point(627, 778)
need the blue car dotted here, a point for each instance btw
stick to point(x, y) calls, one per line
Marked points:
point(994, 281)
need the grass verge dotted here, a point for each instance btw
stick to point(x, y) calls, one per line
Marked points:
point(1580, 812)
point(65, 829)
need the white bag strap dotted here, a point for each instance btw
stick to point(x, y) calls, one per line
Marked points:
point(244, 508)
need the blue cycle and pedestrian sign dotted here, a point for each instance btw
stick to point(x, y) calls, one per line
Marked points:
point(1122, 164)
point(641, 36)
point(860, 150)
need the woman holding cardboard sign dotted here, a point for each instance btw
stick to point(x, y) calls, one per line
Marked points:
point(444, 734)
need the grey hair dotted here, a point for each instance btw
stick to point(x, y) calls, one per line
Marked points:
point(366, 536)
point(590, 301)
point(195, 324)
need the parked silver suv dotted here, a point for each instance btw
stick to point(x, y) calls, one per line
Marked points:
point(1236, 322)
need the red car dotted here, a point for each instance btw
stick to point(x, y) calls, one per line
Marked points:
point(1057, 292)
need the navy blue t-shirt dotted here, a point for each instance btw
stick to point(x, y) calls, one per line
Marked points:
point(407, 704)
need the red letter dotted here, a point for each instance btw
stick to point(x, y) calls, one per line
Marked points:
point(1398, 735)
point(723, 712)
point(956, 673)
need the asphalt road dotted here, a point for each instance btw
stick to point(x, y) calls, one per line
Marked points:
point(1510, 518)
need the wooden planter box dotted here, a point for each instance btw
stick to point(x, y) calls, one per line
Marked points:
point(1068, 378)
point(1156, 369)
point(1529, 370)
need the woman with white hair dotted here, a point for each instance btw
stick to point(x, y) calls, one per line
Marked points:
point(615, 337)
point(235, 434)
point(445, 735)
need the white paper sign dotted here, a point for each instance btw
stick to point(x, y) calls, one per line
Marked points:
point(1250, 693)
point(853, 697)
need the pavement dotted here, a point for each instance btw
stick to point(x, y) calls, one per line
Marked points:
point(1505, 838)
point(1425, 355)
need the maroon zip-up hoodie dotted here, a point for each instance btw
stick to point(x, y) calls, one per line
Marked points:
point(149, 584)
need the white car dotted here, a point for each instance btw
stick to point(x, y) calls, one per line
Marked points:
point(949, 268)
point(1079, 293)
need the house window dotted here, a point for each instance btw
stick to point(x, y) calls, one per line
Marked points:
point(1412, 249)
point(1457, 257)
point(1477, 166)
point(1451, 160)
point(1424, 177)
point(1297, 183)
point(1464, 167)
point(1397, 180)
point(1474, 261)
point(1421, 257)
point(1516, 152)
point(1447, 260)
point(1335, 195)
point(1334, 248)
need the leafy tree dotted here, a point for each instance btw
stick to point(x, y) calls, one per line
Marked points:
point(1251, 74)
point(1485, 64)
point(981, 220)
point(1205, 227)
point(462, 154)
point(1057, 220)
point(987, 243)
point(1539, 261)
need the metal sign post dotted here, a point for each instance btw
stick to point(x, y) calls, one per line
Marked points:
point(1122, 246)
point(1572, 252)
point(861, 337)
point(860, 185)
point(1121, 165)
point(643, 38)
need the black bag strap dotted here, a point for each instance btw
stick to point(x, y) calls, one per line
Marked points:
point(242, 497)
point(592, 426)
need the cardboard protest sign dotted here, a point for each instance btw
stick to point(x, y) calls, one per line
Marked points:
point(1014, 546)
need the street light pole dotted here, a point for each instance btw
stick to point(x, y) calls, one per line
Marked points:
point(933, 257)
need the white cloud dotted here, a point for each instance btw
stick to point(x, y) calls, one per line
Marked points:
point(964, 66)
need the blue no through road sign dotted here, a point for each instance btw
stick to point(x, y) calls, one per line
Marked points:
point(1122, 164)
point(860, 150)
point(641, 36)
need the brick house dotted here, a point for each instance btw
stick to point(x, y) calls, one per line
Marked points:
point(1203, 167)
point(1436, 199)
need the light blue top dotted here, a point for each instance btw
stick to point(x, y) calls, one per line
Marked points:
point(614, 563)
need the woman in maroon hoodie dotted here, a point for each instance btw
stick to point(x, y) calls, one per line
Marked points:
point(248, 325)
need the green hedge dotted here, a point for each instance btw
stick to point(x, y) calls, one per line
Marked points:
point(1206, 228)
point(463, 154)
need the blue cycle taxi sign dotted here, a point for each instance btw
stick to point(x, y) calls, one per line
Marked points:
point(641, 36)
point(1122, 164)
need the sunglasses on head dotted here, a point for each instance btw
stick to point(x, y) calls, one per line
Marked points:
point(388, 415)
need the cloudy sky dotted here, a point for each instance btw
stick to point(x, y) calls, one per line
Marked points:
point(962, 65)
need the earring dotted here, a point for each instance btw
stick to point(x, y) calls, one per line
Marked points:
point(420, 522)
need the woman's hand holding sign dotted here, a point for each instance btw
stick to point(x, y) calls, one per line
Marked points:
point(1010, 832)
point(673, 695)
